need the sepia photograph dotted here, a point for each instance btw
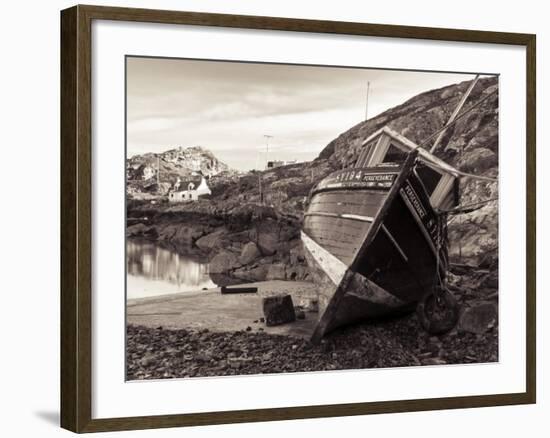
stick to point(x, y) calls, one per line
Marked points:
point(289, 218)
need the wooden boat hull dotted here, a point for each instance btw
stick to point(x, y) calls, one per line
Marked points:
point(373, 243)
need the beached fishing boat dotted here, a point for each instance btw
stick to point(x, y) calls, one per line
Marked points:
point(375, 234)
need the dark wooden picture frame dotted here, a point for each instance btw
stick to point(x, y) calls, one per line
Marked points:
point(76, 217)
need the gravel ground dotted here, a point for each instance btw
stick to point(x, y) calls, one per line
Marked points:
point(159, 353)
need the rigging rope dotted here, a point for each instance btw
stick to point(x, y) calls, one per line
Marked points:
point(468, 207)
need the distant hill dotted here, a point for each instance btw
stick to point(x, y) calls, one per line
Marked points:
point(183, 163)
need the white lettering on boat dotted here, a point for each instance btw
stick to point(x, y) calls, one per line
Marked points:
point(414, 200)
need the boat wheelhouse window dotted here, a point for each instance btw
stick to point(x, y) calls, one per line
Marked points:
point(394, 155)
point(429, 177)
point(365, 154)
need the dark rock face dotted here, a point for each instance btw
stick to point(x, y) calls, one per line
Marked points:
point(278, 310)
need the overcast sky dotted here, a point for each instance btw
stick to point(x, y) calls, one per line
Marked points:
point(228, 107)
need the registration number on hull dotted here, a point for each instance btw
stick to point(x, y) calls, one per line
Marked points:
point(358, 179)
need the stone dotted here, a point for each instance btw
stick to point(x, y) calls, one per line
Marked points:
point(309, 304)
point(212, 240)
point(297, 272)
point(257, 273)
point(479, 319)
point(268, 242)
point(276, 271)
point(223, 262)
point(278, 309)
point(137, 230)
point(249, 253)
point(300, 314)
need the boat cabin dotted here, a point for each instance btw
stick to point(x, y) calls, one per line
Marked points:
point(387, 148)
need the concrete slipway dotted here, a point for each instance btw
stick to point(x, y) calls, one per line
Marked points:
point(216, 312)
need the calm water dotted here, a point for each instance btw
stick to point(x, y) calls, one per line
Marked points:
point(152, 270)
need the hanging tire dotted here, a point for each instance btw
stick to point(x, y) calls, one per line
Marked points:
point(438, 311)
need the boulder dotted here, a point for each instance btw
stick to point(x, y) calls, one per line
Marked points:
point(249, 253)
point(278, 309)
point(186, 235)
point(212, 240)
point(268, 242)
point(137, 230)
point(223, 262)
point(276, 271)
point(479, 319)
point(257, 273)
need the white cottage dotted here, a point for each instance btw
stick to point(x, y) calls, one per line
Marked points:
point(191, 194)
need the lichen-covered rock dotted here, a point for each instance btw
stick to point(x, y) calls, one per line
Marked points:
point(278, 309)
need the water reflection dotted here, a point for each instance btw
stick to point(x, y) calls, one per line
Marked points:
point(152, 270)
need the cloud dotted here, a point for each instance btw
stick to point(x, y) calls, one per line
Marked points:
point(227, 107)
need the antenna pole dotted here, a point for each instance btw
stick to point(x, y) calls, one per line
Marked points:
point(367, 102)
point(267, 137)
point(158, 172)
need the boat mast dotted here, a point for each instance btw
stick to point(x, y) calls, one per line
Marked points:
point(455, 113)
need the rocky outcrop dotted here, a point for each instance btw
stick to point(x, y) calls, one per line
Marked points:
point(142, 170)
